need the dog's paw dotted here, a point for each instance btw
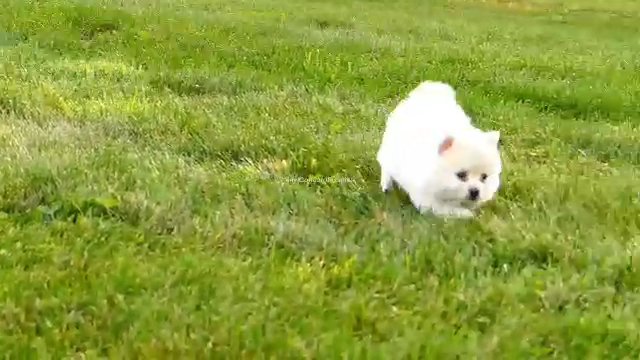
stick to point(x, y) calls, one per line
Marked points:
point(462, 213)
point(385, 187)
point(452, 212)
point(386, 183)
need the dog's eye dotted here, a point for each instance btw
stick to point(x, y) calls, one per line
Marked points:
point(483, 177)
point(462, 175)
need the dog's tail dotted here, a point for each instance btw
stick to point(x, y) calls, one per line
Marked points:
point(436, 90)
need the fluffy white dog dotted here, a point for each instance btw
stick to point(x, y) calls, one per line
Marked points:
point(431, 150)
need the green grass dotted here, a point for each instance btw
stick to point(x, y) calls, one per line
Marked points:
point(150, 208)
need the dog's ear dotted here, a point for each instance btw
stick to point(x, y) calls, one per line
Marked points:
point(445, 145)
point(493, 137)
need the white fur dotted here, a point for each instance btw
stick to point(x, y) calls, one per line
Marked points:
point(409, 153)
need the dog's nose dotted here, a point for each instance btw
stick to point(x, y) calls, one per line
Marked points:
point(474, 193)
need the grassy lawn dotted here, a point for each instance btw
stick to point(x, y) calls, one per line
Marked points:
point(197, 178)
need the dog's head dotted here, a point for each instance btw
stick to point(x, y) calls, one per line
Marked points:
point(469, 168)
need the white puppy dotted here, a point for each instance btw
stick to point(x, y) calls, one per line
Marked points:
point(431, 150)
